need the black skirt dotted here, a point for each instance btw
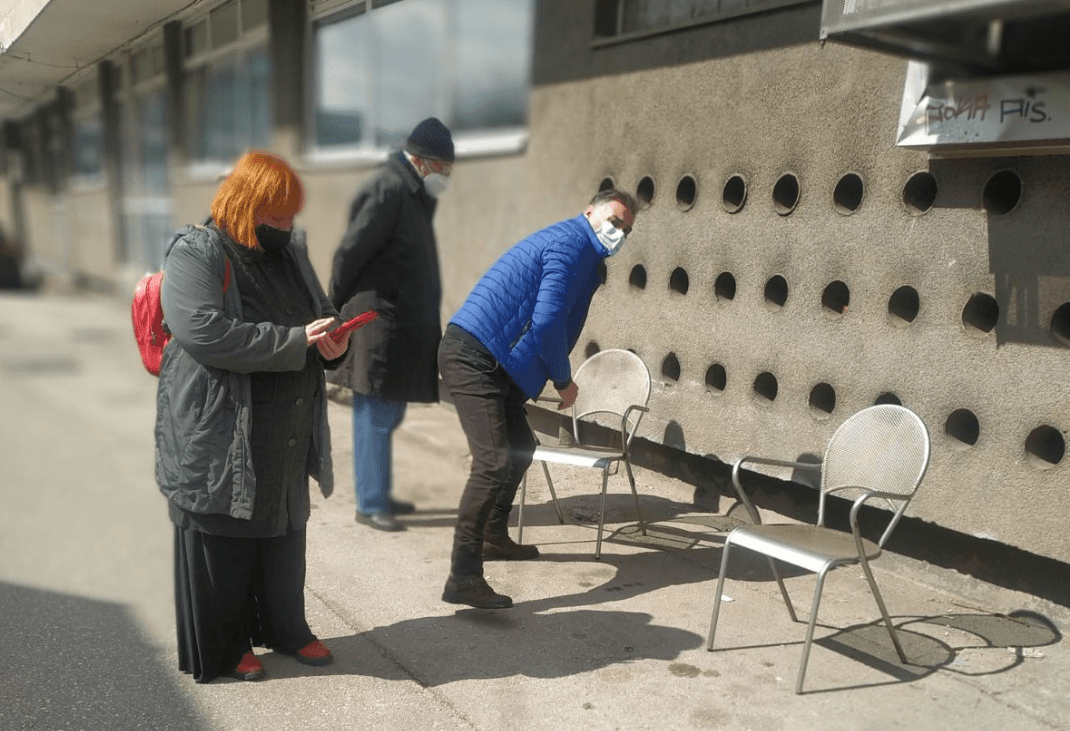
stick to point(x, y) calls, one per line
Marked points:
point(234, 593)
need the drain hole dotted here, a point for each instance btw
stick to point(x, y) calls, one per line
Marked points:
point(686, 191)
point(591, 349)
point(735, 194)
point(822, 400)
point(716, 378)
point(678, 280)
point(776, 290)
point(981, 313)
point(847, 196)
point(919, 194)
point(786, 194)
point(606, 184)
point(724, 287)
point(835, 299)
point(887, 398)
point(1002, 192)
point(670, 369)
point(637, 278)
point(963, 428)
point(903, 305)
point(1045, 447)
point(1060, 323)
point(765, 387)
point(645, 191)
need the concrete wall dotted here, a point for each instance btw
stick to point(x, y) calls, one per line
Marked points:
point(633, 111)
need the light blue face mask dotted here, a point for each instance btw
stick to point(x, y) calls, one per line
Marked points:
point(611, 237)
point(435, 184)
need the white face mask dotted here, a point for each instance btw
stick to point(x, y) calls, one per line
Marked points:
point(435, 184)
point(611, 237)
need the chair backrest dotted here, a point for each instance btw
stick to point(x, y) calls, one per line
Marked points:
point(883, 448)
point(609, 382)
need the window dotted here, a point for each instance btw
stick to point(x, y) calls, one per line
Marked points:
point(382, 68)
point(227, 84)
point(87, 133)
point(616, 18)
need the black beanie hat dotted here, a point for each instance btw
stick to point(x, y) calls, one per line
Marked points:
point(431, 139)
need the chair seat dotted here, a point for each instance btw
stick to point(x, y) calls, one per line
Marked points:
point(599, 457)
point(808, 546)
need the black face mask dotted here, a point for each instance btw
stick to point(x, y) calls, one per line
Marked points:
point(274, 240)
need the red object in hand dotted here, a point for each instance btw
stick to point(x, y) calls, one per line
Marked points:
point(357, 322)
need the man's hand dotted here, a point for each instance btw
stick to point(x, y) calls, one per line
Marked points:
point(568, 395)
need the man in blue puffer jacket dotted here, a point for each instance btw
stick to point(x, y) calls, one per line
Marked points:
point(512, 335)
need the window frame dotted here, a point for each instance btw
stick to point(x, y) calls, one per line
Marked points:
point(87, 107)
point(467, 145)
point(238, 50)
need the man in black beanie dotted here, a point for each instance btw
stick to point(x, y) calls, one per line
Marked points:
point(388, 262)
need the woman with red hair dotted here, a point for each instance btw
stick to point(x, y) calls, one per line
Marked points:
point(241, 422)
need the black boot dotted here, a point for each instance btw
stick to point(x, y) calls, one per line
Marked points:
point(498, 546)
point(475, 592)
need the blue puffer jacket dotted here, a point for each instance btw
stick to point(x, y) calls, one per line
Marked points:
point(529, 308)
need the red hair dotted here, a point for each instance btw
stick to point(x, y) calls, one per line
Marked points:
point(261, 183)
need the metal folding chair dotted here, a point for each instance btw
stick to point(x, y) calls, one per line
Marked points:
point(880, 453)
point(612, 383)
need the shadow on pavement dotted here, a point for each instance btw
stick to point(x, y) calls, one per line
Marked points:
point(482, 644)
point(72, 662)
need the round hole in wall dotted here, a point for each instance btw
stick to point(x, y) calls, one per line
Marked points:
point(716, 378)
point(848, 194)
point(980, 314)
point(776, 290)
point(903, 305)
point(678, 280)
point(1002, 192)
point(1045, 447)
point(637, 278)
point(686, 192)
point(835, 298)
point(670, 368)
point(645, 190)
point(822, 400)
point(606, 184)
point(735, 194)
point(919, 193)
point(887, 398)
point(765, 387)
point(1060, 323)
point(963, 428)
point(724, 287)
point(591, 349)
point(603, 272)
point(786, 194)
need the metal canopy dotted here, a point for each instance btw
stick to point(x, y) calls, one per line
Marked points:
point(45, 42)
point(981, 36)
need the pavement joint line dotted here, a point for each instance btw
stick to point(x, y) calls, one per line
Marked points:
point(384, 652)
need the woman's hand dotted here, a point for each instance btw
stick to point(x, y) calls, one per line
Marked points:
point(316, 332)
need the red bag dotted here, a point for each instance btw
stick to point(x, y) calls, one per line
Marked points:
point(150, 331)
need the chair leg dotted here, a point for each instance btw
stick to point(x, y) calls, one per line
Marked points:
point(638, 512)
point(884, 612)
point(717, 595)
point(520, 512)
point(553, 495)
point(810, 630)
point(602, 514)
point(783, 589)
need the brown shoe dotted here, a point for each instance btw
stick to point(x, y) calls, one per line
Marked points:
point(475, 592)
point(504, 548)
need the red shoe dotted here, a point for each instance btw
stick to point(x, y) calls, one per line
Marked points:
point(314, 653)
point(250, 668)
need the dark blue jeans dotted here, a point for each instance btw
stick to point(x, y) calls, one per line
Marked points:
point(491, 408)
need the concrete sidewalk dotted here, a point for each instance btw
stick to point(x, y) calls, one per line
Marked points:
point(611, 644)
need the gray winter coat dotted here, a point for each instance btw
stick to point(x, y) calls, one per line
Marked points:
point(203, 403)
point(388, 262)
